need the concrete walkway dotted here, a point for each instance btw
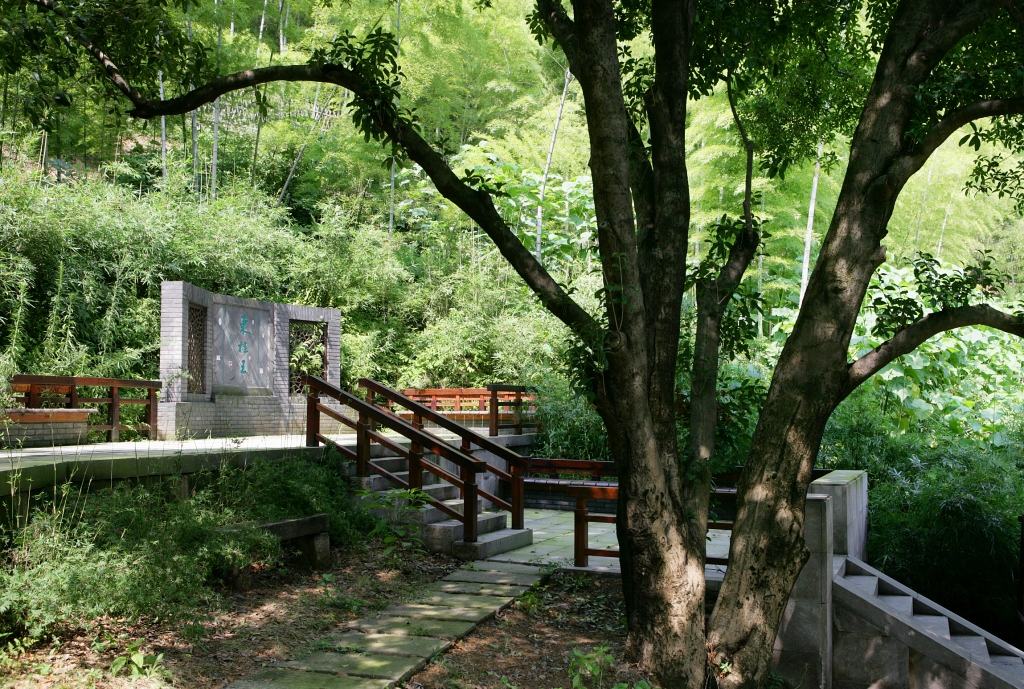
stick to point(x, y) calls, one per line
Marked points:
point(382, 651)
point(553, 534)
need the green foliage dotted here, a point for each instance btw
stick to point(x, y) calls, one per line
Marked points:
point(570, 426)
point(939, 504)
point(137, 549)
point(899, 302)
point(590, 668)
point(397, 517)
point(138, 663)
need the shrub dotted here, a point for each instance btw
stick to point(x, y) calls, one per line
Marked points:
point(949, 530)
point(137, 550)
point(570, 426)
point(942, 512)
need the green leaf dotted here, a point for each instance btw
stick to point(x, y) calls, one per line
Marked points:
point(118, 665)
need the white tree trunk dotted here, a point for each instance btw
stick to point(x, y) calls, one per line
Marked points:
point(805, 271)
point(938, 251)
point(391, 211)
point(920, 211)
point(163, 133)
point(547, 168)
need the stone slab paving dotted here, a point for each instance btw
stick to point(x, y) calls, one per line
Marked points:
point(389, 648)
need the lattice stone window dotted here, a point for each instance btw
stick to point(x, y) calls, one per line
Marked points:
point(196, 349)
point(307, 352)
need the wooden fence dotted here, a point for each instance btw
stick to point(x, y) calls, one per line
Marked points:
point(37, 392)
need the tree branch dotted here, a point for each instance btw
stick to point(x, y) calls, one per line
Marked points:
point(475, 203)
point(911, 337)
point(211, 91)
point(554, 16)
point(949, 124)
point(111, 69)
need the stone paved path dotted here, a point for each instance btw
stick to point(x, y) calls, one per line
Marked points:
point(379, 652)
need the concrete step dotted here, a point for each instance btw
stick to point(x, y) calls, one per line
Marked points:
point(902, 604)
point(439, 536)
point(868, 584)
point(937, 624)
point(377, 483)
point(391, 464)
point(439, 491)
point(1011, 665)
point(494, 543)
point(431, 515)
point(977, 646)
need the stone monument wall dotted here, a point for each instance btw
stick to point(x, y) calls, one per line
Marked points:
point(224, 364)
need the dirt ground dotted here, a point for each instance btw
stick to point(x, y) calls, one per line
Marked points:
point(283, 615)
point(550, 634)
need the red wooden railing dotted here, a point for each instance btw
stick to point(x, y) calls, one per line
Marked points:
point(508, 396)
point(722, 488)
point(39, 391)
point(369, 417)
point(581, 548)
point(469, 438)
point(503, 406)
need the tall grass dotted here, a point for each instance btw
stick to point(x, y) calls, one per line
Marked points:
point(138, 550)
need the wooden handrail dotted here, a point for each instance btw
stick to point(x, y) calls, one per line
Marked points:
point(64, 390)
point(84, 381)
point(516, 403)
point(582, 550)
point(516, 462)
point(420, 439)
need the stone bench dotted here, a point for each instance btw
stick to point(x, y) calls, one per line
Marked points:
point(309, 535)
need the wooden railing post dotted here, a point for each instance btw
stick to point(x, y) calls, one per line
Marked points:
point(416, 457)
point(312, 417)
point(115, 414)
point(518, 429)
point(33, 396)
point(73, 397)
point(518, 496)
point(151, 409)
point(493, 415)
point(469, 508)
point(580, 533)
point(362, 448)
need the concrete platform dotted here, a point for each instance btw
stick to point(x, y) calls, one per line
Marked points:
point(38, 468)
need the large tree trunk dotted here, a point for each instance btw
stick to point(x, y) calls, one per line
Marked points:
point(662, 546)
point(812, 376)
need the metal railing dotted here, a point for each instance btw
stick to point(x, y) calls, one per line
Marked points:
point(38, 392)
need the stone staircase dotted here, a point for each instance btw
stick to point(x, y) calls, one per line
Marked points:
point(888, 635)
point(441, 533)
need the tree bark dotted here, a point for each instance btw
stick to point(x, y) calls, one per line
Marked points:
point(767, 549)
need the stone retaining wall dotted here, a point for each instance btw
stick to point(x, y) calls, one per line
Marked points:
point(44, 427)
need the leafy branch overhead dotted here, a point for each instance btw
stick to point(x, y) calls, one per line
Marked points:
point(937, 288)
